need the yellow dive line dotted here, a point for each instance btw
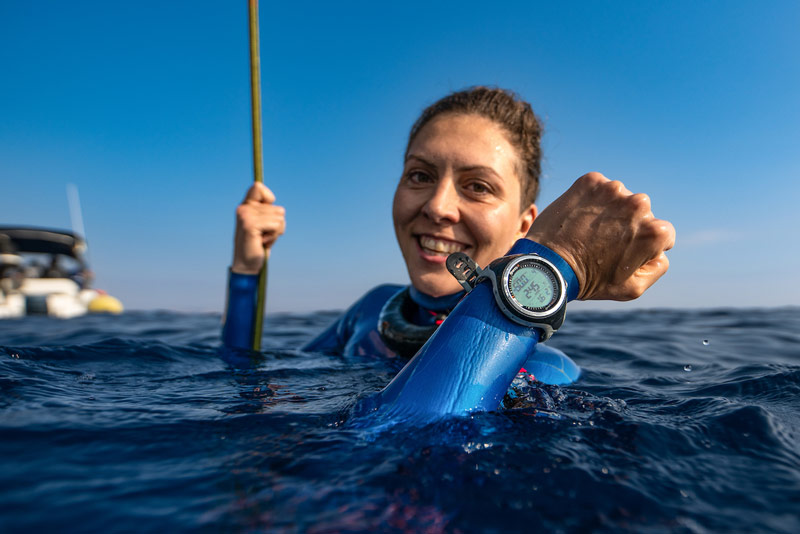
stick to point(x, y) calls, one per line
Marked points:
point(258, 163)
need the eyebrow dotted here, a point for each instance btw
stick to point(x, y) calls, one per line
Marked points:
point(463, 168)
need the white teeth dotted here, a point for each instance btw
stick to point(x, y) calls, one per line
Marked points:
point(438, 246)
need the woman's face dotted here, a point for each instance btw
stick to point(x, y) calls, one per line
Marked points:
point(459, 192)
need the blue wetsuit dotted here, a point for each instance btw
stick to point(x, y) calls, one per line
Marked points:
point(420, 386)
point(355, 333)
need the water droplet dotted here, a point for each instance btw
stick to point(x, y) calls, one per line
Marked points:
point(705, 342)
point(687, 367)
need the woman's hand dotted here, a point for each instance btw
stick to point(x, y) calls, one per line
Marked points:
point(608, 235)
point(259, 223)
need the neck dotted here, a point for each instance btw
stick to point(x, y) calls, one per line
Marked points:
point(443, 303)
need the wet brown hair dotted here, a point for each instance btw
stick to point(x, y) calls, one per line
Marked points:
point(508, 111)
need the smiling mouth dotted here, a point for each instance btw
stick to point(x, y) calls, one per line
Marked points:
point(439, 247)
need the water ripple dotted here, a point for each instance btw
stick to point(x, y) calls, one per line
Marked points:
point(142, 422)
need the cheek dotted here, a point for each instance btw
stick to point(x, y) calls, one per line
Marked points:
point(487, 224)
point(402, 207)
point(399, 214)
point(495, 227)
point(396, 202)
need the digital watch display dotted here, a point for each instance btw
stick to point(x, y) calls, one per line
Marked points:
point(531, 286)
point(529, 289)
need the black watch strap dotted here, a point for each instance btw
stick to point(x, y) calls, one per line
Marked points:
point(464, 269)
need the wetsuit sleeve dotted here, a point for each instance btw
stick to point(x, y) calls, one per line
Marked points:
point(239, 318)
point(526, 246)
point(356, 329)
point(332, 339)
point(240, 312)
point(466, 366)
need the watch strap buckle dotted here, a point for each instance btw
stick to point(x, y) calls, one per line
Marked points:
point(464, 269)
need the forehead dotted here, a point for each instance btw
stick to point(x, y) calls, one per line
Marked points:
point(465, 141)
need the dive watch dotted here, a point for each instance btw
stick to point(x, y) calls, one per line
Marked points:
point(528, 288)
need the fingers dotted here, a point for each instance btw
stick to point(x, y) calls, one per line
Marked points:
point(669, 232)
point(272, 225)
point(259, 193)
point(259, 224)
point(653, 270)
point(594, 182)
point(653, 237)
point(258, 217)
point(644, 277)
point(610, 237)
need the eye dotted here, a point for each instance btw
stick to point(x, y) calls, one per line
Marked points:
point(419, 177)
point(479, 188)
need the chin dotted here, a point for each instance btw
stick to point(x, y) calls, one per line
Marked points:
point(437, 286)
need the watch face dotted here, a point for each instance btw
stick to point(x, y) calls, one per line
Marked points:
point(532, 286)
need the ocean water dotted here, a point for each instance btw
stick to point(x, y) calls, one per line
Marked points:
point(683, 421)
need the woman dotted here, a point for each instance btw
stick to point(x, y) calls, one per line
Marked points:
point(469, 182)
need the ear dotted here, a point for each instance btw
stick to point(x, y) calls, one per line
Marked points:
point(526, 219)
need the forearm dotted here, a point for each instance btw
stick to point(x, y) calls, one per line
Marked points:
point(470, 361)
point(466, 366)
point(239, 317)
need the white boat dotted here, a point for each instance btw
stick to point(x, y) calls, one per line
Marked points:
point(44, 272)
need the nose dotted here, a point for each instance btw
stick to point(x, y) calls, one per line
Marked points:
point(443, 204)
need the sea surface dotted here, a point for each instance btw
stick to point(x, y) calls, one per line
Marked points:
point(683, 421)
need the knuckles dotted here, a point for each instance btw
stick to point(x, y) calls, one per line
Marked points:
point(623, 222)
point(632, 291)
point(640, 202)
point(242, 211)
point(592, 179)
point(248, 211)
point(615, 186)
point(261, 218)
point(658, 230)
point(596, 183)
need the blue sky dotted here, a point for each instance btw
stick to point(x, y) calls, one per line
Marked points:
point(145, 107)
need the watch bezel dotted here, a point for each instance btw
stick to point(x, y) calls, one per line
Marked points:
point(497, 273)
point(514, 306)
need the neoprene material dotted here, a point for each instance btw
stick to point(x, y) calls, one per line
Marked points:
point(237, 328)
point(467, 365)
point(526, 246)
point(470, 361)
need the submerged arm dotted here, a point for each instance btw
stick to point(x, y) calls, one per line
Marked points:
point(239, 317)
point(469, 362)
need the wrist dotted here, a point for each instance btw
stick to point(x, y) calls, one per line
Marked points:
point(249, 267)
point(242, 280)
point(529, 246)
point(239, 318)
point(243, 270)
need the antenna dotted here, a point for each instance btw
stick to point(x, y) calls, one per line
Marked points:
point(75, 216)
